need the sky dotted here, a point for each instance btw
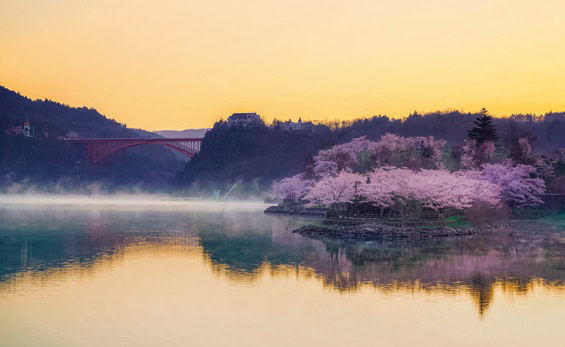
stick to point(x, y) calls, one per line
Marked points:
point(177, 64)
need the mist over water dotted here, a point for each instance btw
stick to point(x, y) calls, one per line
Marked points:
point(128, 201)
point(151, 269)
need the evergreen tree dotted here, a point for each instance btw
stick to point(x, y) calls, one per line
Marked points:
point(484, 129)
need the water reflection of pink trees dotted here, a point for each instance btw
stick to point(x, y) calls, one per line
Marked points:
point(515, 259)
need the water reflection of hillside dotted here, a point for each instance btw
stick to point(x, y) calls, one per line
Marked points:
point(246, 245)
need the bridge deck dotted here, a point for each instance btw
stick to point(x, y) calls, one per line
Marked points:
point(137, 139)
point(99, 148)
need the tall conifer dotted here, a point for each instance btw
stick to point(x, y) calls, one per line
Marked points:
point(484, 129)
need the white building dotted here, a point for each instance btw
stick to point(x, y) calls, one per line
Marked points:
point(244, 119)
point(25, 130)
point(298, 126)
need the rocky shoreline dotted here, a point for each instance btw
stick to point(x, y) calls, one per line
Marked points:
point(297, 210)
point(373, 232)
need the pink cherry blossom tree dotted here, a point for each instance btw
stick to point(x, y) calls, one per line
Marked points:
point(519, 189)
point(381, 186)
point(292, 188)
point(474, 155)
point(468, 154)
point(385, 182)
point(400, 151)
point(338, 190)
point(405, 192)
point(330, 162)
point(436, 147)
point(325, 168)
point(439, 189)
point(361, 154)
point(487, 150)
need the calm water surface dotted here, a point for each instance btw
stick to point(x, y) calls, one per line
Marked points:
point(148, 272)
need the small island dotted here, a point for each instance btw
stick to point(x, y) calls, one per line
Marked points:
point(419, 187)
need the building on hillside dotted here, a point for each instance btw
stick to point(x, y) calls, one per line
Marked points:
point(28, 130)
point(298, 126)
point(17, 130)
point(244, 119)
point(25, 130)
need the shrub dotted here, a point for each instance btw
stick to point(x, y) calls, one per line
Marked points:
point(487, 214)
point(558, 185)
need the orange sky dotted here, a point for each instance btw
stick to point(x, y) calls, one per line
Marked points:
point(176, 64)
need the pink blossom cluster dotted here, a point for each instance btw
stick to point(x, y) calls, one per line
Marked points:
point(518, 187)
point(339, 189)
point(389, 150)
point(388, 187)
point(474, 155)
point(385, 186)
point(391, 145)
point(330, 161)
point(292, 188)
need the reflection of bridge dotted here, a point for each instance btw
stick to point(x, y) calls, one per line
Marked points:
point(100, 148)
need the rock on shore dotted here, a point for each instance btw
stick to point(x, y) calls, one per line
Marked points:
point(297, 209)
point(370, 231)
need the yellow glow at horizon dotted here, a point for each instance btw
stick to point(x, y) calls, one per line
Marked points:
point(184, 64)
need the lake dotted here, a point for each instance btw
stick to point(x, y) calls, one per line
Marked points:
point(151, 271)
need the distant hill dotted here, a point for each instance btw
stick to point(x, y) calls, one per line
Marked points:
point(48, 163)
point(187, 133)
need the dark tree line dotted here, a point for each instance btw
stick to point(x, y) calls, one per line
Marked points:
point(256, 156)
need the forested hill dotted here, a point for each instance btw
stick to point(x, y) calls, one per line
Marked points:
point(45, 162)
point(252, 156)
point(256, 156)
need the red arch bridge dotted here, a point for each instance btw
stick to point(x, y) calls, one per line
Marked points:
point(98, 149)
